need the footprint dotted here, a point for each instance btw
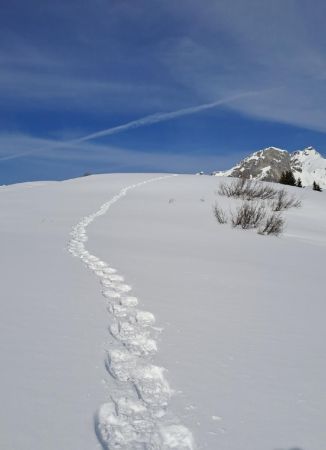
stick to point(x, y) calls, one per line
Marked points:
point(101, 264)
point(136, 340)
point(120, 364)
point(115, 277)
point(118, 310)
point(177, 437)
point(151, 386)
point(106, 283)
point(123, 287)
point(117, 430)
point(99, 273)
point(110, 293)
point(109, 270)
point(145, 318)
point(129, 301)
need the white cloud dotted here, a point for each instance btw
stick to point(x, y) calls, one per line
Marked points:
point(238, 46)
point(114, 158)
point(138, 123)
point(131, 62)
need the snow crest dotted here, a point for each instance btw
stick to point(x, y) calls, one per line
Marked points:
point(138, 418)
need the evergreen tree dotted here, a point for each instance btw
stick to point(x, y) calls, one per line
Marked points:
point(316, 187)
point(287, 178)
point(299, 182)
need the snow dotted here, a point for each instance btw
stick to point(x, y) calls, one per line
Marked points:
point(313, 166)
point(307, 164)
point(265, 171)
point(168, 330)
point(225, 173)
point(144, 383)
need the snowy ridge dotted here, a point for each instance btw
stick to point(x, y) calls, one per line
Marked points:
point(269, 163)
point(310, 166)
point(136, 418)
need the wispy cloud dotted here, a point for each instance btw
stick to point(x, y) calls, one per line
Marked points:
point(144, 121)
point(36, 76)
point(118, 60)
point(162, 117)
point(242, 47)
point(125, 61)
point(101, 157)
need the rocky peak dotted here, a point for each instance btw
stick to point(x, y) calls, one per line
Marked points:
point(269, 163)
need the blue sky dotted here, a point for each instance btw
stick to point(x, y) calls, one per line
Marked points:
point(71, 68)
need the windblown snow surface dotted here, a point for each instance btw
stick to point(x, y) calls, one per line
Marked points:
point(132, 320)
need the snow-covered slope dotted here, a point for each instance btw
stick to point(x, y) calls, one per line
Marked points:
point(269, 163)
point(310, 166)
point(239, 319)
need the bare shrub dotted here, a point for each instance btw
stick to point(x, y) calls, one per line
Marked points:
point(253, 190)
point(247, 190)
point(234, 189)
point(273, 224)
point(261, 205)
point(284, 201)
point(219, 214)
point(262, 191)
point(249, 215)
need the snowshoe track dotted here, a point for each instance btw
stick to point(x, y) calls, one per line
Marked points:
point(138, 418)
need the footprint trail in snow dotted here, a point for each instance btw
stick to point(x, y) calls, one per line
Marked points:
point(138, 417)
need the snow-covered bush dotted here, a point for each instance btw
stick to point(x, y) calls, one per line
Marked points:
point(260, 206)
point(284, 201)
point(247, 190)
point(220, 215)
point(248, 215)
point(273, 224)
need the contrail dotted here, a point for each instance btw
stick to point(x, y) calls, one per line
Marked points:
point(161, 117)
point(144, 121)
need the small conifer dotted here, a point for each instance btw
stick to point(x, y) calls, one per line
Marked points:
point(299, 182)
point(316, 187)
point(287, 177)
